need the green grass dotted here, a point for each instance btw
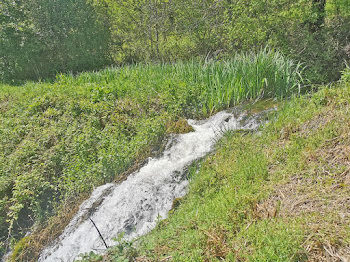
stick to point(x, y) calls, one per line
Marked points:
point(280, 195)
point(201, 88)
point(59, 140)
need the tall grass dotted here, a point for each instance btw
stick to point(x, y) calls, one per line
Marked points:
point(208, 86)
point(244, 77)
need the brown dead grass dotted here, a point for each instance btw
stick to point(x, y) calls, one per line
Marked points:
point(217, 245)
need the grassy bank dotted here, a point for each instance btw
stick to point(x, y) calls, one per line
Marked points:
point(59, 140)
point(278, 195)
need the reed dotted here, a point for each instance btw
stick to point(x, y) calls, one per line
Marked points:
point(204, 86)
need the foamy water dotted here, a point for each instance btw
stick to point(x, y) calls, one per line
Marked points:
point(136, 205)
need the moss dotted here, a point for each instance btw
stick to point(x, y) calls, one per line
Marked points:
point(181, 126)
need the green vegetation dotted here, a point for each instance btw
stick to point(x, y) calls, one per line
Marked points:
point(39, 38)
point(160, 62)
point(59, 140)
point(314, 32)
point(279, 195)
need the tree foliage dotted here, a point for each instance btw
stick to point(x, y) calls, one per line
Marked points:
point(40, 38)
point(315, 32)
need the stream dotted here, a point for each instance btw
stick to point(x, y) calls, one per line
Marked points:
point(134, 206)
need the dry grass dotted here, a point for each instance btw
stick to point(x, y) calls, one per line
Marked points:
point(217, 243)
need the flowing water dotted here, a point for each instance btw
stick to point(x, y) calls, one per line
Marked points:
point(136, 205)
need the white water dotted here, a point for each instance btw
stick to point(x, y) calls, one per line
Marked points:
point(135, 205)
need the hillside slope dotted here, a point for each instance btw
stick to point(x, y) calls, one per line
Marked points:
point(278, 195)
point(59, 140)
